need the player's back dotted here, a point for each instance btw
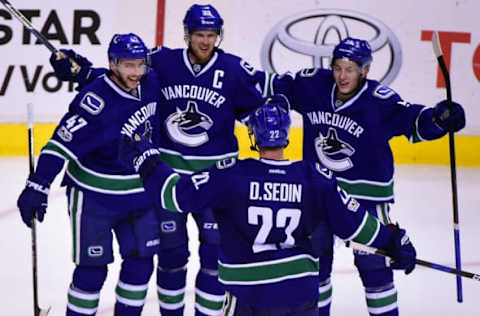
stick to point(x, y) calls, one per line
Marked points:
point(265, 223)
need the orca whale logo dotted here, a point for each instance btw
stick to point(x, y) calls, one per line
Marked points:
point(330, 145)
point(180, 122)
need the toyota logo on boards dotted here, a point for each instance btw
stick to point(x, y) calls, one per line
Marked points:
point(307, 39)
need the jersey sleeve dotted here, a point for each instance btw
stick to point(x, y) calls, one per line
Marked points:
point(269, 83)
point(414, 121)
point(246, 97)
point(346, 217)
point(156, 58)
point(82, 129)
point(90, 76)
point(186, 193)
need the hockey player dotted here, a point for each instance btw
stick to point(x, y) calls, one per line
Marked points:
point(206, 90)
point(267, 210)
point(348, 121)
point(103, 195)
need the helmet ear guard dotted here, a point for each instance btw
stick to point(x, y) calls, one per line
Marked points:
point(354, 49)
point(270, 124)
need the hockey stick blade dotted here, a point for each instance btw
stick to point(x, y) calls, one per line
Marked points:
point(453, 170)
point(26, 23)
point(420, 262)
point(437, 50)
point(44, 312)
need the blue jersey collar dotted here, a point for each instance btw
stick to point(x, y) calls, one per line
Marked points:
point(349, 102)
point(205, 69)
point(272, 162)
point(120, 91)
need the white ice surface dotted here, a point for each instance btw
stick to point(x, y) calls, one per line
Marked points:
point(423, 207)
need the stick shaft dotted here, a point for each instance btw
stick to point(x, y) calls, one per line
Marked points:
point(427, 264)
point(17, 14)
point(31, 160)
point(453, 170)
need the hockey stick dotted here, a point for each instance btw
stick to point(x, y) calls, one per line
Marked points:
point(431, 265)
point(37, 311)
point(453, 172)
point(75, 69)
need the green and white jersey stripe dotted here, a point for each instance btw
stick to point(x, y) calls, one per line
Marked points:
point(268, 84)
point(230, 305)
point(170, 299)
point(382, 302)
point(190, 164)
point(367, 231)
point(415, 136)
point(169, 194)
point(324, 294)
point(131, 295)
point(92, 180)
point(265, 272)
point(208, 304)
point(367, 190)
point(76, 206)
point(81, 302)
point(383, 213)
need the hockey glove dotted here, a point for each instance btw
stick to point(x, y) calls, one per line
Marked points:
point(33, 199)
point(139, 152)
point(449, 120)
point(64, 68)
point(401, 250)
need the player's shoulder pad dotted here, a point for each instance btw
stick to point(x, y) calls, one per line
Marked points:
point(154, 50)
point(382, 92)
point(92, 103)
point(319, 73)
point(237, 62)
point(288, 75)
point(89, 100)
point(159, 50)
point(226, 163)
point(306, 72)
point(327, 173)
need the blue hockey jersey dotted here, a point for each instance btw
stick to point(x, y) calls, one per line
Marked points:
point(352, 138)
point(266, 211)
point(88, 135)
point(201, 106)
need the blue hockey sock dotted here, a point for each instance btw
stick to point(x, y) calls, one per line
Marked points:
point(324, 297)
point(171, 290)
point(132, 287)
point(84, 292)
point(209, 293)
point(382, 301)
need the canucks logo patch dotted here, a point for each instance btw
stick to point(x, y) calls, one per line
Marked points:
point(168, 226)
point(383, 92)
point(95, 251)
point(92, 103)
point(332, 152)
point(189, 127)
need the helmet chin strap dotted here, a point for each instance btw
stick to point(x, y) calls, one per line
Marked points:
point(253, 146)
